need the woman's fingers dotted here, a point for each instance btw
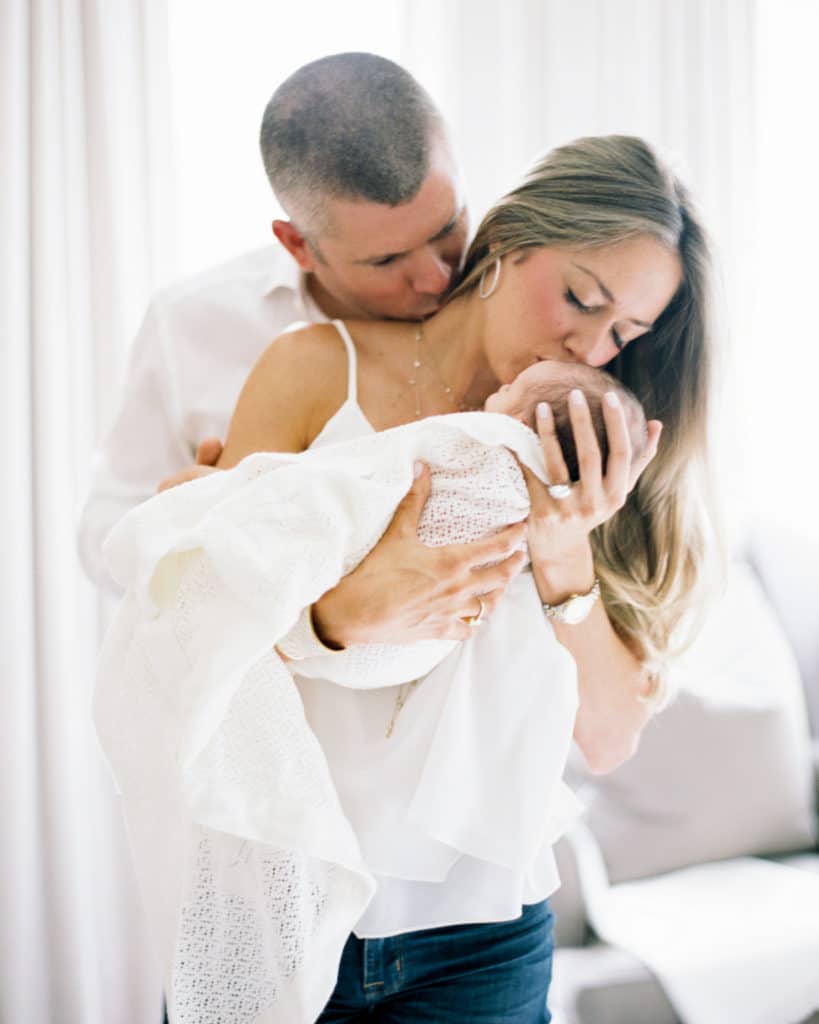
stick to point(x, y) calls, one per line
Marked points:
point(491, 580)
point(619, 460)
point(497, 548)
point(589, 460)
point(654, 428)
point(552, 452)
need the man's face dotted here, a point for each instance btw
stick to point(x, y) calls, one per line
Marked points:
point(390, 262)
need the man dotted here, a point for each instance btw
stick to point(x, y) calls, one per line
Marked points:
point(358, 157)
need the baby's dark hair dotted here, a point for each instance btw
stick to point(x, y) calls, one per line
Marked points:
point(594, 383)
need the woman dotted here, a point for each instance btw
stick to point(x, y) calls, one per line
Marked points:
point(597, 257)
point(292, 809)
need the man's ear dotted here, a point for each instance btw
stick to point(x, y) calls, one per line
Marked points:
point(295, 243)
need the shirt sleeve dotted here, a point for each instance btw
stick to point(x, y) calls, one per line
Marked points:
point(144, 445)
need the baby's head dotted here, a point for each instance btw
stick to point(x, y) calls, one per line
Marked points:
point(552, 382)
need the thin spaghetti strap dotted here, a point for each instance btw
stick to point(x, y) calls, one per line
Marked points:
point(352, 372)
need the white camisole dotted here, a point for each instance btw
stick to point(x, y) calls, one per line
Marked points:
point(351, 727)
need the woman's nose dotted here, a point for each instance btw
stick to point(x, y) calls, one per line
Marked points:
point(589, 344)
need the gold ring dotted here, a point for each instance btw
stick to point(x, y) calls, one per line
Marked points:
point(475, 620)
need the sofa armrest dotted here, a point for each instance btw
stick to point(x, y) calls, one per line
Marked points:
point(568, 905)
point(787, 564)
point(815, 750)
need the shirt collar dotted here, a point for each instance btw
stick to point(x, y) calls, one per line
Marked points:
point(285, 273)
point(288, 276)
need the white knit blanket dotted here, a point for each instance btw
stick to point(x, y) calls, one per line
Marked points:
point(252, 874)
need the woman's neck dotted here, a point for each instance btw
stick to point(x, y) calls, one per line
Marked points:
point(455, 335)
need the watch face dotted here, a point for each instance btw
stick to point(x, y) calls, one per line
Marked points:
point(576, 609)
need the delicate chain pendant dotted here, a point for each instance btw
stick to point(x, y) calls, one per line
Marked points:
point(404, 690)
point(414, 381)
point(419, 335)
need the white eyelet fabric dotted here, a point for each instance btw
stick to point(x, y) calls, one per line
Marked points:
point(253, 868)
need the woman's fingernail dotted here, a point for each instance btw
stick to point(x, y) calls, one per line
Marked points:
point(611, 399)
point(576, 396)
point(542, 410)
point(417, 469)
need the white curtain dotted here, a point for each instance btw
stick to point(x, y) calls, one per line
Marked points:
point(85, 211)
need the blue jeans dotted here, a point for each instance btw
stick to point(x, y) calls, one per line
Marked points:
point(465, 974)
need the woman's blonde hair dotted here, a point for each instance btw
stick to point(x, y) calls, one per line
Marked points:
point(596, 192)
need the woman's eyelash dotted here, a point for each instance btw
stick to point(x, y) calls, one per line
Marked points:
point(619, 344)
point(571, 297)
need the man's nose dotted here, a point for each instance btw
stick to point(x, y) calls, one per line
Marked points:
point(430, 274)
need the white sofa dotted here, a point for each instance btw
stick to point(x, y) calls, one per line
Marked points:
point(729, 770)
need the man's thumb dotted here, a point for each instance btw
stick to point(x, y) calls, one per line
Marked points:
point(208, 452)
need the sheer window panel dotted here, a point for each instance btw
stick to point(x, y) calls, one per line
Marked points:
point(226, 60)
point(778, 360)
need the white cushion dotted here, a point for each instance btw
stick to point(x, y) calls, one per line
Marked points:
point(725, 770)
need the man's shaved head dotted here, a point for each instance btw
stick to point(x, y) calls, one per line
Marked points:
point(348, 126)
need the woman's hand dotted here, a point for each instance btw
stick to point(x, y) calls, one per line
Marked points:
point(610, 678)
point(559, 527)
point(405, 591)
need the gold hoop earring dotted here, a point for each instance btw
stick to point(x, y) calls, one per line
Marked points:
point(482, 290)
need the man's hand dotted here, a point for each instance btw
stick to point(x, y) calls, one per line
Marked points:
point(405, 591)
point(207, 455)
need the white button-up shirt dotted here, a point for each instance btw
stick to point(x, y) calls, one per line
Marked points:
point(196, 346)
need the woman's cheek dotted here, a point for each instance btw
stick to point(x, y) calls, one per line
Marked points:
point(554, 315)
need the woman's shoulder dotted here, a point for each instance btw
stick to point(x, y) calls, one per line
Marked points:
point(324, 345)
point(315, 342)
point(298, 382)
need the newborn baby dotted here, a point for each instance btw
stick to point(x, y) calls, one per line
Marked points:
point(552, 382)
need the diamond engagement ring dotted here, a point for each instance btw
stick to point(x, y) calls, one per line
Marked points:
point(559, 491)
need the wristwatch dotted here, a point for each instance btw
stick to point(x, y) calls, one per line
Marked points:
point(575, 609)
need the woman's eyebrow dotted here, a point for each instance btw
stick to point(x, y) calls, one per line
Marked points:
point(597, 280)
point(608, 295)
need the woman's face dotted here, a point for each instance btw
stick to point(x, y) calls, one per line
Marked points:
point(576, 305)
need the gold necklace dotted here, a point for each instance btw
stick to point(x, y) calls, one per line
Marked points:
point(417, 364)
point(404, 690)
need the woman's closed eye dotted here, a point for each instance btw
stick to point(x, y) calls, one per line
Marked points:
point(573, 300)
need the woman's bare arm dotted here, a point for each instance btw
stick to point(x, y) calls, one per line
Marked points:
point(611, 679)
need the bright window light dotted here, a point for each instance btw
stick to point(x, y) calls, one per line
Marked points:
point(226, 60)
